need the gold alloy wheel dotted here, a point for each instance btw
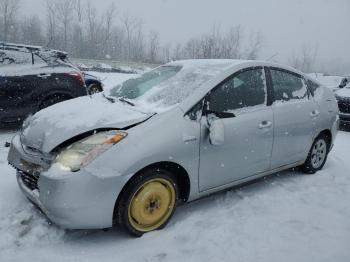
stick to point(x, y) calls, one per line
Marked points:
point(152, 204)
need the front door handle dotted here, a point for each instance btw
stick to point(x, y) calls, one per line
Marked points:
point(188, 139)
point(265, 124)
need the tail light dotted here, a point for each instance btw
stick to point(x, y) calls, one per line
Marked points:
point(77, 76)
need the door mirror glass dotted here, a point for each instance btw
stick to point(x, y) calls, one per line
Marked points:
point(216, 132)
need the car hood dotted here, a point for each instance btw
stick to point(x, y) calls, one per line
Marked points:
point(52, 126)
point(344, 92)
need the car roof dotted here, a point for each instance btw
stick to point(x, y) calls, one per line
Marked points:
point(230, 66)
point(231, 63)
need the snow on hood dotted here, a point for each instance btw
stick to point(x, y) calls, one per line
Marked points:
point(344, 92)
point(54, 125)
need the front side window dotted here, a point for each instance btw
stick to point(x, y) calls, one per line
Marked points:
point(245, 89)
point(287, 86)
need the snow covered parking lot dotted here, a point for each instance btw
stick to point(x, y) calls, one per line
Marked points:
point(285, 217)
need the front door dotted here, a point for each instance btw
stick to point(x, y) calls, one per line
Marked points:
point(248, 138)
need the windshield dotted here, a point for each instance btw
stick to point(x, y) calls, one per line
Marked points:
point(167, 85)
point(136, 87)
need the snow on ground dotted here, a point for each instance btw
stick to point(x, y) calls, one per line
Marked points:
point(284, 217)
point(110, 80)
point(329, 81)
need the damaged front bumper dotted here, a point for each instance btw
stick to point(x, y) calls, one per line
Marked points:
point(78, 200)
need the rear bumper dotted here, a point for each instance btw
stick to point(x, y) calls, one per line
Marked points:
point(77, 200)
point(344, 118)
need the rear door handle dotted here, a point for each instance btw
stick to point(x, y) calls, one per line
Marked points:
point(314, 113)
point(265, 124)
point(44, 75)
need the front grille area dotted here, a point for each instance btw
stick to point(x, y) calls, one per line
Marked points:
point(344, 107)
point(30, 181)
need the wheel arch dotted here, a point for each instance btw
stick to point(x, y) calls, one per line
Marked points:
point(181, 176)
point(328, 135)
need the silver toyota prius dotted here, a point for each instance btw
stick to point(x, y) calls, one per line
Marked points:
point(184, 130)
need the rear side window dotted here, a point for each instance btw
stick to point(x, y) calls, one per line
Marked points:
point(11, 57)
point(245, 89)
point(287, 86)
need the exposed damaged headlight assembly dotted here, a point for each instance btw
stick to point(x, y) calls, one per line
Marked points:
point(81, 153)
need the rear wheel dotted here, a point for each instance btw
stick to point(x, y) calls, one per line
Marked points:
point(317, 156)
point(94, 89)
point(148, 202)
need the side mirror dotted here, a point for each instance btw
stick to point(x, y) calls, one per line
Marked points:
point(216, 132)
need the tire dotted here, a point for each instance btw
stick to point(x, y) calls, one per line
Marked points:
point(147, 203)
point(94, 89)
point(52, 100)
point(317, 156)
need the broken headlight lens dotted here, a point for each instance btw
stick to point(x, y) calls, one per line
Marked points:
point(81, 153)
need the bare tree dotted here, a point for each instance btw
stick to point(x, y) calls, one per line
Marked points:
point(51, 22)
point(64, 14)
point(8, 14)
point(129, 24)
point(108, 24)
point(94, 25)
point(255, 44)
point(30, 32)
point(78, 48)
point(232, 42)
point(138, 44)
point(307, 58)
point(153, 46)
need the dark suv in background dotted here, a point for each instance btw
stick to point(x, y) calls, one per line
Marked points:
point(343, 97)
point(33, 78)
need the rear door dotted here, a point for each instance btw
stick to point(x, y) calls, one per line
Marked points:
point(295, 117)
point(248, 133)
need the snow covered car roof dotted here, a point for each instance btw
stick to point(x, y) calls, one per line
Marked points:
point(18, 53)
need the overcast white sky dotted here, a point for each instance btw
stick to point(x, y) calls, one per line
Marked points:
point(285, 24)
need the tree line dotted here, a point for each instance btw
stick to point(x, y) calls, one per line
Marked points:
point(77, 27)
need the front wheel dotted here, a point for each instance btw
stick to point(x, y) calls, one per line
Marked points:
point(148, 202)
point(317, 156)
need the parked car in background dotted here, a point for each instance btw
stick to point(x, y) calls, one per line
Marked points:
point(343, 97)
point(93, 83)
point(33, 78)
point(175, 134)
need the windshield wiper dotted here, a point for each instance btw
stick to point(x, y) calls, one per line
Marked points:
point(122, 99)
point(110, 99)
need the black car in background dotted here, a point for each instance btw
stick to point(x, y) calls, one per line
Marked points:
point(33, 78)
point(93, 84)
point(342, 95)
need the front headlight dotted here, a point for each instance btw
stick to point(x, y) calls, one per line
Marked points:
point(81, 153)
